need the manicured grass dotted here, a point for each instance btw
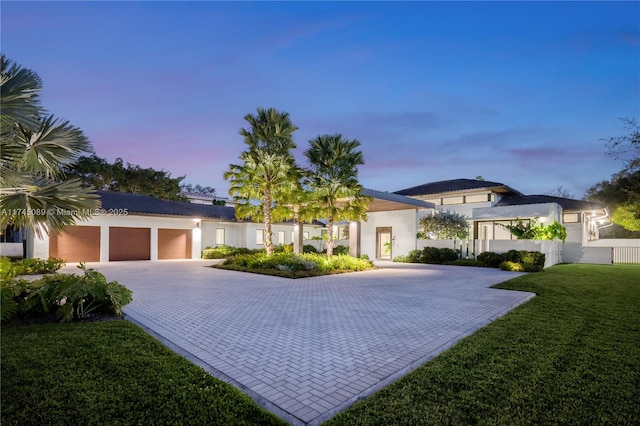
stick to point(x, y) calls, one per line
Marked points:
point(571, 355)
point(110, 373)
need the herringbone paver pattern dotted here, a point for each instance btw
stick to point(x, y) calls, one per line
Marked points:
point(307, 349)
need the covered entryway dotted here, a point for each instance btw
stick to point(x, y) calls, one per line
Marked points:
point(76, 244)
point(383, 243)
point(174, 244)
point(129, 243)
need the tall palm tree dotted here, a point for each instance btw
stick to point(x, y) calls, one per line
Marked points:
point(263, 184)
point(333, 181)
point(35, 149)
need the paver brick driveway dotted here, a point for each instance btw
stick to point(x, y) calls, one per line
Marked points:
point(308, 348)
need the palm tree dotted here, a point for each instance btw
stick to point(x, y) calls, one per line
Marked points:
point(333, 181)
point(268, 177)
point(35, 149)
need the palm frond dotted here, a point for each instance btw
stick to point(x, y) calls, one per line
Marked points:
point(48, 207)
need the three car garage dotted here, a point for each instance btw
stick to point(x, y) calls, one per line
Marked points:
point(83, 244)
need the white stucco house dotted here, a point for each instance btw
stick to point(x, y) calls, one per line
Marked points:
point(138, 227)
point(487, 205)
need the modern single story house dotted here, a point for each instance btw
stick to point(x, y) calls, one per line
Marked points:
point(139, 227)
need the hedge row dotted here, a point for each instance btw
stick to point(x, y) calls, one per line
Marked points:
point(513, 260)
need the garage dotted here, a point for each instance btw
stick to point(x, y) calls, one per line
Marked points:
point(129, 243)
point(174, 244)
point(76, 244)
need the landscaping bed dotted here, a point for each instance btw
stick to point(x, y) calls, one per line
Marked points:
point(295, 265)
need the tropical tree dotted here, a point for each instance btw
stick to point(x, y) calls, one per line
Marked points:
point(445, 225)
point(626, 147)
point(34, 191)
point(332, 181)
point(622, 192)
point(532, 230)
point(99, 173)
point(267, 177)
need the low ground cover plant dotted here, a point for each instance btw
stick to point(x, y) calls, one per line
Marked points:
point(29, 266)
point(295, 265)
point(513, 260)
point(69, 296)
point(223, 251)
point(568, 356)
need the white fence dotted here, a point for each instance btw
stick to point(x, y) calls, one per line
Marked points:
point(622, 250)
point(625, 255)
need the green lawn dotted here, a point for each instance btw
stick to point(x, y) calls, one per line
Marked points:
point(571, 355)
point(110, 373)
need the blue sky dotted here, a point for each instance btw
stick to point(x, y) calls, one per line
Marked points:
point(518, 92)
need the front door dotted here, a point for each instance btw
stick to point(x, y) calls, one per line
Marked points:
point(383, 243)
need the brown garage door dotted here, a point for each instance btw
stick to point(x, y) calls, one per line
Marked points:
point(76, 244)
point(129, 243)
point(174, 244)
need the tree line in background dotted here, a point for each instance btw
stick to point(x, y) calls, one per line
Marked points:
point(267, 185)
point(43, 170)
point(621, 193)
point(98, 173)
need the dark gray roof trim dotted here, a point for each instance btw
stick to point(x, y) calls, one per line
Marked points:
point(144, 204)
point(566, 203)
point(396, 198)
point(454, 185)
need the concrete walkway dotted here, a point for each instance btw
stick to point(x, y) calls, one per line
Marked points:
point(306, 349)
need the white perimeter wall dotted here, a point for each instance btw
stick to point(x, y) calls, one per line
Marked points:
point(243, 234)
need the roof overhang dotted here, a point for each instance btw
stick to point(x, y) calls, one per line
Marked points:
point(517, 211)
point(388, 201)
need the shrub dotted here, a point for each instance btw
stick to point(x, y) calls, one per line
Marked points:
point(466, 262)
point(526, 261)
point(511, 256)
point(402, 259)
point(532, 261)
point(490, 259)
point(73, 297)
point(308, 248)
point(507, 265)
point(438, 256)
point(339, 250)
point(430, 255)
point(304, 263)
point(11, 268)
point(223, 251)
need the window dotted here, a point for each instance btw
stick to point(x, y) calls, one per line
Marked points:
point(501, 233)
point(479, 198)
point(571, 218)
point(453, 200)
point(219, 235)
point(259, 236)
point(281, 235)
